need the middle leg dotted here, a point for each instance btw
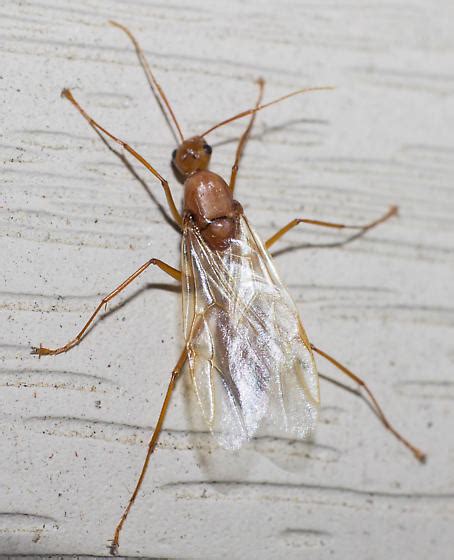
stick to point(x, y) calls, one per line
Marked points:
point(42, 351)
point(362, 228)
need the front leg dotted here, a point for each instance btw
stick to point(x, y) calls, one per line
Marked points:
point(42, 351)
point(244, 138)
point(100, 129)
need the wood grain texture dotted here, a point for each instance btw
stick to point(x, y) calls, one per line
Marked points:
point(74, 222)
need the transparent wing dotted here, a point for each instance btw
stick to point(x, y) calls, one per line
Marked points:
point(248, 354)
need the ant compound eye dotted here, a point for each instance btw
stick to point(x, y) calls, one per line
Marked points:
point(208, 149)
point(174, 154)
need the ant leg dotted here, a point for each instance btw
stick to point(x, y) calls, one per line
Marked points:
point(244, 138)
point(41, 351)
point(151, 447)
point(272, 240)
point(165, 185)
point(374, 403)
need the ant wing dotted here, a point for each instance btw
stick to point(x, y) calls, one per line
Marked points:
point(249, 357)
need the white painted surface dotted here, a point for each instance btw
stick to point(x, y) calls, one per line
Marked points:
point(74, 223)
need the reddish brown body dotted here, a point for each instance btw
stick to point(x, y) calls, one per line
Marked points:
point(208, 199)
point(210, 208)
point(192, 155)
point(209, 202)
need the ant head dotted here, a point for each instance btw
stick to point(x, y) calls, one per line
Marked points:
point(192, 155)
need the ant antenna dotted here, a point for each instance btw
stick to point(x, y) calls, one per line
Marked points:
point(150, 77)
point(260, 107)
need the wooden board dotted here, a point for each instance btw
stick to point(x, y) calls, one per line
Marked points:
point(74, 222)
